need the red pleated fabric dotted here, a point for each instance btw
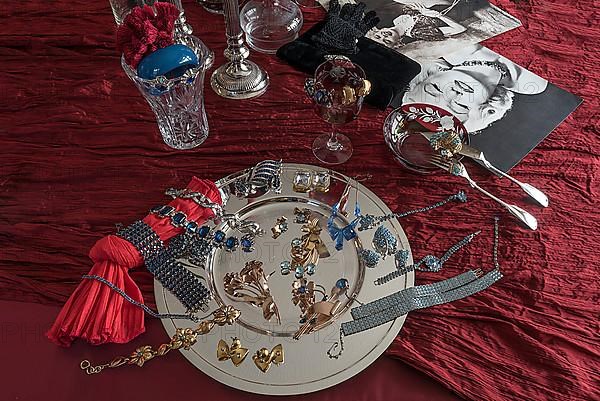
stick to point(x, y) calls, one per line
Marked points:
point(95, 312)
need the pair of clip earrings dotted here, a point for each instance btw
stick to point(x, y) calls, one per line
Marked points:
point(281, 226)
point(302, 216)
point(306, 181)
point(263, 358)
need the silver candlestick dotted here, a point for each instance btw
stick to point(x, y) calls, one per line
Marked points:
point(239, 78)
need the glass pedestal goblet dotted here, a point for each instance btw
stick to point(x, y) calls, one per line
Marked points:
point(337, 91)
point(334, 148)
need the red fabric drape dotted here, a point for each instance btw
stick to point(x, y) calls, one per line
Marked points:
point(95, 312)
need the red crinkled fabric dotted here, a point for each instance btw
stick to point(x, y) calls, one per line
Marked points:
point(81, 151)
point(95, 312)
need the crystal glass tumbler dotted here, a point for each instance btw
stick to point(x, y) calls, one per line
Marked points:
point(178, 103)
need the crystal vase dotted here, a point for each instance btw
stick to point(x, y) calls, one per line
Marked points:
point(178, 103)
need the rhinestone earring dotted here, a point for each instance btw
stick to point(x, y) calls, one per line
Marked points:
point(384, 242)
point(302, 215)
point(280, 227)
point(370, 258)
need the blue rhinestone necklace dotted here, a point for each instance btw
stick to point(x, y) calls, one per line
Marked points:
point(370, 221)
point(429, 263)
point(214, 239)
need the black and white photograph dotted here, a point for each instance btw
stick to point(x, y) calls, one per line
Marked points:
point(427, 29)
point(506, 109)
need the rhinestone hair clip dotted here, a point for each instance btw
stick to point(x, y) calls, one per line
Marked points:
point(263, 177)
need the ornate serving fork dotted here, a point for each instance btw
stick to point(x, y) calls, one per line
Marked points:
point(455, 167)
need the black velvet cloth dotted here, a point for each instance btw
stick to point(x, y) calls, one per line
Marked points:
point(389, 71)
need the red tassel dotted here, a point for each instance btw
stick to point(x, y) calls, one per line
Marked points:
point(166, 15)
point(143, 32)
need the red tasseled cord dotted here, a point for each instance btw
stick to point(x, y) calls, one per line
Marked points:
point(95, 312)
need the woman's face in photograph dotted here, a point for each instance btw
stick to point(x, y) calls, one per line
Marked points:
point(391, 36)
point(455, 91)
point(386, 36)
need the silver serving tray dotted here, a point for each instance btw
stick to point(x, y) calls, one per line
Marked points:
point(307, 367)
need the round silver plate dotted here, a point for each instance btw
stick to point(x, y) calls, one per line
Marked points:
point(307, 367)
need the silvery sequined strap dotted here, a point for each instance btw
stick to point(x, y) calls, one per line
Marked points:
point(431, 263)
point(143, 238)
point(139, 304)
point(415, 292)
point(186, 287)
point(170, 273)
point(406, 302)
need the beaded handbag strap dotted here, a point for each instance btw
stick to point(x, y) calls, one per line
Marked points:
point(405, 301)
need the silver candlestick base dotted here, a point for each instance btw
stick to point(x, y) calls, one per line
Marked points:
point(239, 78)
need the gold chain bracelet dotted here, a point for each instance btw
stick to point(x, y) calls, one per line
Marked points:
point(183, 338)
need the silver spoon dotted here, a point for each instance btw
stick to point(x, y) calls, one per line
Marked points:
point(456, 168)
point(529, 189)
point(477, 154)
